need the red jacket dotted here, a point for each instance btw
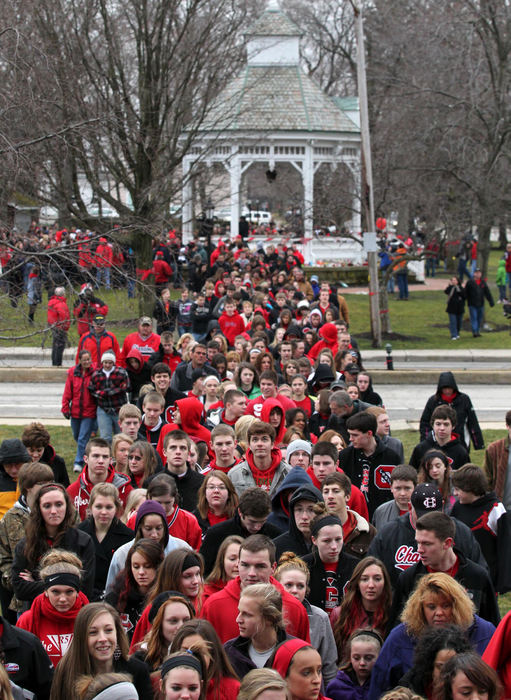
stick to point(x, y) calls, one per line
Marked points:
point(191, 410)
point(53, 628)
point(146, 347)
point(97, 345)
point(162, 271)
point(58, 313)
point(76, 399)
point(104, 254)
point(231, 326)
point(221, 609)
point(79, 490)
point(84, 313)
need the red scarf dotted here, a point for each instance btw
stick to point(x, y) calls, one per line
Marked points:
point(42, 608)
point(449, 399)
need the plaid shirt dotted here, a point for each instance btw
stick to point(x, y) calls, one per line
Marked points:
point(110, 392)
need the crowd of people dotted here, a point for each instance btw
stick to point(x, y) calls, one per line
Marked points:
point(242, 523)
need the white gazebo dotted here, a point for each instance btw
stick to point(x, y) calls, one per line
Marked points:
point(272, 112)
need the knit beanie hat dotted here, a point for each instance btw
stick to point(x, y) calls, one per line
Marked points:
point(152, 508)
point(13, 451)
point(108, 355)
point(298, 445)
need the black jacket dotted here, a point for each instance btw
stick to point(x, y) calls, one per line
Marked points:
point(75, 541)
point(322, 589)
point(117, 535)
point(476, 293)
point(165, 320)
point(455, 299)
point(188, 486)
point(237, 650)
point(217, 534)
point(466, 416)
point(455, 451)
point(279, 516)
point(26, 661)
point(133, 608)
point(293, 540)
point(139, 671)
point(395, 545)
point(57, 464)
point(471, 576)
point(375, 485)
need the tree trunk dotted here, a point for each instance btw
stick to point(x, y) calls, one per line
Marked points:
point(502, 234)
point(143, 247)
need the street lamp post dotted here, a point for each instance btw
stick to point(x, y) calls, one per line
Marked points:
point(367, 175)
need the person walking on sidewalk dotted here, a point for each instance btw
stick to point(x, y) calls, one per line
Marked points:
point(476, 290)
point(455, 305)
point(59, 322)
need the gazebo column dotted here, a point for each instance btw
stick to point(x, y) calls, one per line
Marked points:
point(308, 201)
point(235, 173)
point(187, 202)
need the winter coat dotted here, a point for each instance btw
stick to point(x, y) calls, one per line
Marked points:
point(12, 530)
point(135, 605)
point(267, 408)
point(237, 650)
point(138, 377)
point(8, 487)
point(79, 491)
point(76, 399)
point(467, 426)
point(191, 410)
point(375, 485)
point(182, 376)
point(165, 315)
point(172, 361)
point(242, 478)
point(395, 545)
point(97, 345)
point(474, 579)
point(53, 628)
point(74, 541)
point(396, 655)
point(58, 313)
point(117, 535)
point(279, 516)
point(384, 514)
point(57, 463)
point(455, 299)
point(501, 278)
point(221, 609)
point(216, 534)
point(346, 687)
point(358, 540)
point(323, 591)
point(231, 326)
point(454, 450)
point(357, 500)
point(497, 656)
point(293, 540)
point(26, 661)
point(496, 464)
point(475, 293)
point(482, 516)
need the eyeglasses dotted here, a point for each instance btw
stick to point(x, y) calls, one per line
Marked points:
point(211, 487)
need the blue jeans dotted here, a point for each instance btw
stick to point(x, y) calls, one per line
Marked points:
point(82, 428)
point(455, 324)
point(108, 424)
point(103, 273)
point(430, 267)
point(476, 317)
point(131, 287)
point(502, 292)
point(402, 284)
point(462, 269)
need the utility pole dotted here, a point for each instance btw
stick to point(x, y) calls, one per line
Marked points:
point(367, 176)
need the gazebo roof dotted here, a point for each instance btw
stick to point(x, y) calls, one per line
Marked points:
point(273, 22)
point(275, 98)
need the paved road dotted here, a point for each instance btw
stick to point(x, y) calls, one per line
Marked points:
point(21, 402)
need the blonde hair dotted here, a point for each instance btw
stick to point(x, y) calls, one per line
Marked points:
point(135, 498)
point(106, 490)
point(289, 561)
point(270, 602)
point(437, 584)
point(241, 430)
point(5, 684)
point(258, 681)
point(59, 561)
point(88, 687)
point(401, 693)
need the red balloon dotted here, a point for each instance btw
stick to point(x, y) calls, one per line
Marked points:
point(381, 223)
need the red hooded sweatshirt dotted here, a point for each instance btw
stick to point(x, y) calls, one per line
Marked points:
point(267, 408)
point(221, 609)
point(53, 628)
point(255, 406)
point(231, 326)
point(190, 410)
point(79, 490)
point(328, 334)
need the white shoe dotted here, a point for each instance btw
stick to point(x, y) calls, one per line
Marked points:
point(77, 468)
